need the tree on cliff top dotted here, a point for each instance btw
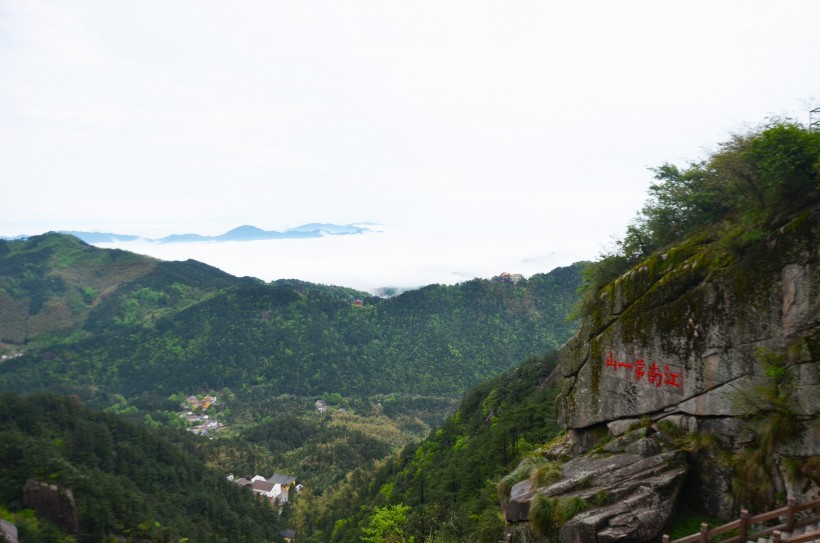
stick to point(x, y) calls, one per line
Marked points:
point(751, 181)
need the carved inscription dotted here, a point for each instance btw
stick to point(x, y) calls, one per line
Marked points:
point(650, 372)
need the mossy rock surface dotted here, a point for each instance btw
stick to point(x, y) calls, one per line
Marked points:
point(681, 328)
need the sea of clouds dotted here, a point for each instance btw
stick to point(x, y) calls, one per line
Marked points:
point(384, 257)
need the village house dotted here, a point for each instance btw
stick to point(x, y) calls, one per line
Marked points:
point(275, 488)
point(285, 482)
point(265, 488)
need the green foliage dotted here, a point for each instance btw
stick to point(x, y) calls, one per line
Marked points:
point(547, 514)
point(568, 508)
point(523, 471)
point(49, 283)
point(546, 474)
point(786, 161)
point(542, 514)
point(602, 497)
point(31, 529)
point(609, 266)
point(684, 525)
point(129, 481)
point(339, 293)
point(770, 411)
point(447, 480)
point(292, 438)
point(184, 326)
point(387, 525)
point(747, 184)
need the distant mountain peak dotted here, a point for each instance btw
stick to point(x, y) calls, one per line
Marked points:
point(244, 229)
point(246, 232)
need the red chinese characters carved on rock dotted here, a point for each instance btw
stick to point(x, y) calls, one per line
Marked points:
point(653, 373)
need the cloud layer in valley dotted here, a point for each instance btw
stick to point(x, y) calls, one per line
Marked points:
point(484, 135)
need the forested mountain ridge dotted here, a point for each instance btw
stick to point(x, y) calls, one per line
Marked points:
point(171, 327)
point(53, 284)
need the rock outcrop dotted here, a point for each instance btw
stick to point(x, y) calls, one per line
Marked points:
point(52, 502)
point(713, 338)
point(683, 330)
point(627, 488)
point(702, 331)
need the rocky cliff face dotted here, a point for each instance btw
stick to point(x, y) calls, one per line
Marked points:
point(52, 502)
point(719, 338)
point(680, 333)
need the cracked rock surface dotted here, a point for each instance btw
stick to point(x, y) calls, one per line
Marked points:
point(630, 486)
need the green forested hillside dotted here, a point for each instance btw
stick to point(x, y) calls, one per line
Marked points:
point(286, 434)
point(55, 284)
point(389, 368)
point(49, 283)
point(449, 480)
point(128, 481)
point(185, 327)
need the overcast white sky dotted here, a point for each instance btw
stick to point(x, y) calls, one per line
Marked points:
point(484, 136)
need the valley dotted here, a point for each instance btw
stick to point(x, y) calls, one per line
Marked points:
point(292, 377)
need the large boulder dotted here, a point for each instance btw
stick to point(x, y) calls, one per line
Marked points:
point(628, 485)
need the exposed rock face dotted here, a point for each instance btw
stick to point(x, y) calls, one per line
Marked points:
point(677, 334)
point(629, 485)
point(53, 503)
point(685, 335)
point(8, 532)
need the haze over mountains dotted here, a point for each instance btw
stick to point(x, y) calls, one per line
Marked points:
point(240, 233)
point(382, 255)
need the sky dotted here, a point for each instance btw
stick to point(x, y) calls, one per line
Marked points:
point(481, 136)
